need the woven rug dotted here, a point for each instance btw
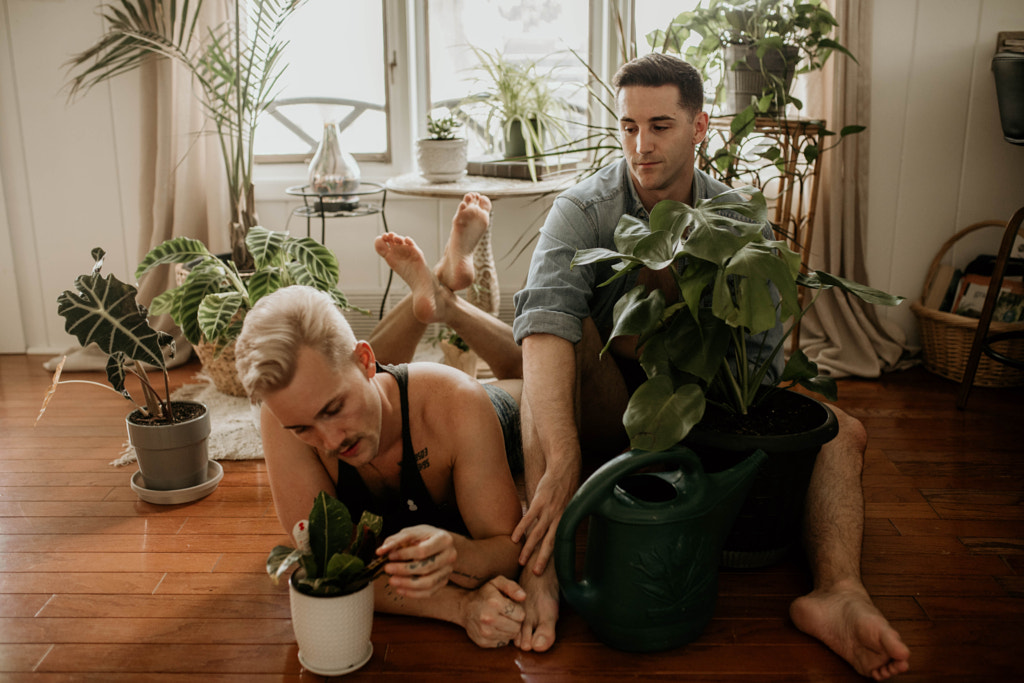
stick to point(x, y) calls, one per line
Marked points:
point(233, 431)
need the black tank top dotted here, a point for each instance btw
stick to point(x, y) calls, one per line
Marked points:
point(411, 504)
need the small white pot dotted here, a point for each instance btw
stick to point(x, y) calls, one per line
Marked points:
point(442, 161)
point(333, 633)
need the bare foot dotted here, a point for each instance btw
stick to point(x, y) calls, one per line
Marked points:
point(455, 270)
point(538, 629)
point(406, 259)
point(848, 622)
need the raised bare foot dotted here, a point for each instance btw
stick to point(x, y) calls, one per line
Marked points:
point(406, 259)
point(455, 270)
point(848, 622)
point(538, 629)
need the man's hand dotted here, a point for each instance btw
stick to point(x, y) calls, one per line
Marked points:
point(493, 614)
point(420, 560)
point(540, 522)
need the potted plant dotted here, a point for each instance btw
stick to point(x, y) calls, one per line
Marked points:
point(213, 296)
point(169, 437)
point(703, 348)
point(442, 155)
point(751, 50)
point(236, 66)
point(331, 591)
point(522, 102)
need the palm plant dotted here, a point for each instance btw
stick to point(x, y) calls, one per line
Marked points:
point(236, 66)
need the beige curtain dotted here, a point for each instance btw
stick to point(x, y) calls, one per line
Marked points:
point(182, 183)
point(843, 335)
point(182, 188)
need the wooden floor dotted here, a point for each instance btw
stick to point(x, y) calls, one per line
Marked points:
point(98, 585)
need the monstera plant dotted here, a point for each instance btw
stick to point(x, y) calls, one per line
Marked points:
point(714, 338)
point(103, 311)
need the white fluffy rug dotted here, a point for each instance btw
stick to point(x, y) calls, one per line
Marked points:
point(234, 434)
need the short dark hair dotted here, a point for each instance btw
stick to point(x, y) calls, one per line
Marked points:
point(657, 69)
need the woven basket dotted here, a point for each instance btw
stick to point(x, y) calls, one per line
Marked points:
point(946, 338)
point(220, 369)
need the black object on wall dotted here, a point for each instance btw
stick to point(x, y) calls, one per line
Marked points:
point(1008, 69)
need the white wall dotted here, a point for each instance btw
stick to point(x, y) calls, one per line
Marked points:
point(938, 159)
point(68, 172)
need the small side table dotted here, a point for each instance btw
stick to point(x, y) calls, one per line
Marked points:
point(366, 200)
point(487, 296)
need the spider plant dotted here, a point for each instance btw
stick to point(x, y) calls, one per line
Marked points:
point(235, 65)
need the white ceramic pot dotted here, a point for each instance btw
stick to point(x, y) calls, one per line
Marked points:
point(442, 161)
point(333, 633)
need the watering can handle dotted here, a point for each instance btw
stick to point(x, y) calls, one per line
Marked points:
point(589, 496)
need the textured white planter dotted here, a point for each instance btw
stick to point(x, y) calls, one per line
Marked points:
point(442, 161)
point(333, 633)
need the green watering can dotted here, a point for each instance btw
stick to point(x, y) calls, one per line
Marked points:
point(654, 541)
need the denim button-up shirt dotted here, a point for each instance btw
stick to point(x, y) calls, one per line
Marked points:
point(556, 298)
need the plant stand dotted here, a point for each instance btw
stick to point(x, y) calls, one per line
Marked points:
point(791, 181)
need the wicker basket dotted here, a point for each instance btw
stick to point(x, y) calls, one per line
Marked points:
point(220, 369)
point(946, 338)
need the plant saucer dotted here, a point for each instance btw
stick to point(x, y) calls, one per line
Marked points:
point(214, 473)
point(340, 672)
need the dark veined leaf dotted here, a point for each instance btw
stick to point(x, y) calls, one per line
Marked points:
point(177, 250)
point(216, 311)
point(264, 282)
point(318, 261)
point(116, 373)
point(207, 278)
point(266, 246)
point(103, 311)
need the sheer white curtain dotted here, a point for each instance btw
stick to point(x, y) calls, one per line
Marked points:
point(843, 335)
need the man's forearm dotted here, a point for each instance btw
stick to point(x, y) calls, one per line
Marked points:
point(480, 560)
point(549, 386)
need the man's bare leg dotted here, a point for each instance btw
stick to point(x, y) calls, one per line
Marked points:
point(839, 611)
point(430, 301)
point(600, 401)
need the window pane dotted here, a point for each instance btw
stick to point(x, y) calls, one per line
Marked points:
point(524, 31)
point(335, 51)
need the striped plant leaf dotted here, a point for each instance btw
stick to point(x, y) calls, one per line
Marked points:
point(317, 259)
point(178, 250)
point(266, 246)
point(216, 311)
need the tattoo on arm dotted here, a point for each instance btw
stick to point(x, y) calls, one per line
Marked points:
point(422, 461)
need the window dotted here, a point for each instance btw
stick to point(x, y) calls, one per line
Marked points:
point(336, 72)
point(344, 56)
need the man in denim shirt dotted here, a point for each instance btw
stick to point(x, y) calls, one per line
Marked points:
point(573, 400)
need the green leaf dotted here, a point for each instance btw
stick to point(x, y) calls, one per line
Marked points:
point(318, 261)
point(266, 246)
point(264, 282)
point(280, 560)
point(628, 232)
point(799, 367)
point(585, 257)
point(826, 386)
point(209, 277)
point(658, 416)
point(216, 311)
point(177, 250)
point(635, 313)
point(657, 251)
point(330, 528)
point(103, 311)
point(822, 280)
point(697, 347)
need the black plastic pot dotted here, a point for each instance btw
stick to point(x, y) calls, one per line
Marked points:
point(745, 79)
point(769, 524)
point(1008, 70)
